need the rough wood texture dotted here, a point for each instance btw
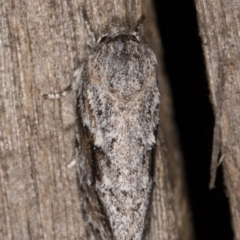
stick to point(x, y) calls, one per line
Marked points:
point(42, 43)
point(219, 29)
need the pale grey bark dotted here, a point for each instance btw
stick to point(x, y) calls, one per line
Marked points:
point(42, 43)
point(219, 29)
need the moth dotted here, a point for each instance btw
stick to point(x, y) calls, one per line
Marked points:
point(118, 114)
point(117, 117)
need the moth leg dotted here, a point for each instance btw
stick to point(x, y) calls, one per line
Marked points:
point(57, 95)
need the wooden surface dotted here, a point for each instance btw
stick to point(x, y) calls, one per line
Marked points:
point(42, 43)
point(219, 29)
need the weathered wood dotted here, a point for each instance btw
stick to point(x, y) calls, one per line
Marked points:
point(219, 29)
point(42, 43)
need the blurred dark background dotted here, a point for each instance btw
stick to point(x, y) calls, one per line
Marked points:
point(184, 65)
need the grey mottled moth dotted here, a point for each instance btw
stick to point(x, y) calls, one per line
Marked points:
point(118, 113)
point(117, 117)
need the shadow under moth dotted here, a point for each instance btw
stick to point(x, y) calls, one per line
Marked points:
point(117, 117)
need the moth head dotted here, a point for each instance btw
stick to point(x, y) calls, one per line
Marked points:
point(116, 30)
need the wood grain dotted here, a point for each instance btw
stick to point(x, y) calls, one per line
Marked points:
point(42, 43)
